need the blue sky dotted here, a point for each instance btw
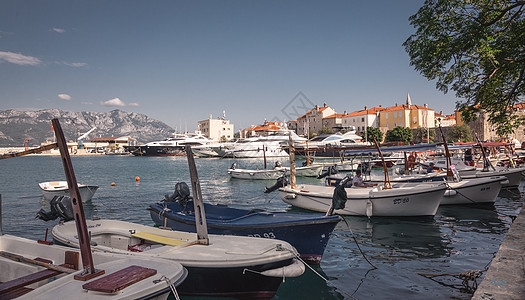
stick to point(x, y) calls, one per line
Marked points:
point(179, 61)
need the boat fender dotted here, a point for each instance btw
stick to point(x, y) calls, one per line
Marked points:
point(281, 182)
point(369, 208)
point(339, 197)
point(292, 270)
point(290, 196)
point(450, 193)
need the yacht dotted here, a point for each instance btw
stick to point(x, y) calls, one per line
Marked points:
point(171, 146)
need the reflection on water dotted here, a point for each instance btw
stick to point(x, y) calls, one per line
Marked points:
point(395, 238)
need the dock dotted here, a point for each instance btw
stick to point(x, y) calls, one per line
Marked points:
point(505, 278)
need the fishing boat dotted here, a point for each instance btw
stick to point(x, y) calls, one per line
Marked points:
point(52, 189)
point(417, 200)
point(41, 270)
point(256, 174)
point(31, 270)
point(307, 232)
point(229, 266)
point(304, 171)
point(514, 175)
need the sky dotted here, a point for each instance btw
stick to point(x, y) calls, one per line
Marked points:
point(180, 61)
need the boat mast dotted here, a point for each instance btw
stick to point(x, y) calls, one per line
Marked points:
point(387, 184)
point(78, 210)
point(291, 153)
point(198, 205)
point(450, 176)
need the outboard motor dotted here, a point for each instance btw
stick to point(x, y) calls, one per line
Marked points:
point(180, 195)
point(339, 197)
point(281, 181)
point(60, 207)
point(277, 164)
point(330, 171)
point(234, 165)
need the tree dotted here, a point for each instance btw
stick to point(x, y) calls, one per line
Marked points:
point(399, 134)
point(422, 135)
point(372, 132)
point(460, 133)
point(474, 48)
point(326, 130)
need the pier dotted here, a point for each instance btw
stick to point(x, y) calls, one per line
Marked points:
point(505, 278)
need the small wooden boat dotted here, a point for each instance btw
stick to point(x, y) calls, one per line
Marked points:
point(59, 188)
point(229, 266)
point(307, 232)
point(32, 270)
point(418, 200)
point(255, 174)
point(304, 171)
point(514, 175)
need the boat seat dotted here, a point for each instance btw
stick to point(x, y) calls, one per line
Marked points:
point(118, 280)
point(157, 238)
point(17, 287)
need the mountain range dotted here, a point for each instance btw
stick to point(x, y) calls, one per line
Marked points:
point(35, 126)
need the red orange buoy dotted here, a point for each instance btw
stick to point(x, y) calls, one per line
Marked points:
point(137, 178)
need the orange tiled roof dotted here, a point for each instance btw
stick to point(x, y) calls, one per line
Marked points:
point(405, 107)
point(334, 116)
point(371, 111)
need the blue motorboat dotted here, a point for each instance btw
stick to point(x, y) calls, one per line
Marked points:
point(307, 232)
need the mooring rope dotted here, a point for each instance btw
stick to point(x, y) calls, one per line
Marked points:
point(170, 284)
point(358, 247)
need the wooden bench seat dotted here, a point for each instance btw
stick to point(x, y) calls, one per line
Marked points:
point(116, 281)
point(158, 239)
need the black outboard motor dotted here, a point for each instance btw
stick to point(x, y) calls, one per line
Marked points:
point(277, 164)
point(60, 207)
point(281, 181)
point(339, 197)
point(234, 165)
point(330, 171)
point(180, 195)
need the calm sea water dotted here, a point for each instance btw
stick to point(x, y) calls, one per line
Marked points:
point(456, 240)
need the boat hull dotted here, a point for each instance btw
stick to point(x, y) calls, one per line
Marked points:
point(86, 191)
point(156, 150)
point(403, 202)
point(255, 174)
point(227, 267)
point(308, 233)
point(514, 175)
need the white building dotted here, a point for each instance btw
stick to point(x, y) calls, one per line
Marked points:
point(215, 129)
point(362, 118)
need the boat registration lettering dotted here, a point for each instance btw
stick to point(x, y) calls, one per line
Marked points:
point(485, 188)
point(268, 235)
point(401, 200)
point(93, 226)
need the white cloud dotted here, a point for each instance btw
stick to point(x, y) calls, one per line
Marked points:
point(64, 97)
point(113, 102)
point(19, 59)
point(59, 30)
point(87, 103)
point(76, 65)
point(134, 104)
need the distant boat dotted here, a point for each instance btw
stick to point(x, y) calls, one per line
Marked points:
point(172, 146)
point(51, 189)
point(307, 232)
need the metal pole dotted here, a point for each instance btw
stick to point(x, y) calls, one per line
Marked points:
point(1, 214)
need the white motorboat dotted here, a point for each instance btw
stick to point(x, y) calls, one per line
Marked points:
point(256, 174)
point(51, 189)
point(417, 200)
point(230, 266)
point(514, 175)
point(43, 271)
point(468, 191)
point(171, 146)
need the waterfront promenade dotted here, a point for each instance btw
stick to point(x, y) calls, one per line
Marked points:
point(505, 278)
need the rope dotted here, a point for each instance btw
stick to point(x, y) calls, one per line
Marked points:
point(170, 284)
point(358, 247)
point(466, 278)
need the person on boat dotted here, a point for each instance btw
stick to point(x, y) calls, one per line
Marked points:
point(358, 180)
point(468, 157)
point(430, 168)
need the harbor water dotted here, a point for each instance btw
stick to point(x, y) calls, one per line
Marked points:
point(377, 258)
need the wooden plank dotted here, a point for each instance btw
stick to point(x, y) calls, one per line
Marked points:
point(21, 258)
point(27, 280)
point(30, 151)
point(157, 238)
point(117, 281)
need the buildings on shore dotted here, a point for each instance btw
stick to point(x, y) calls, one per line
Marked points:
point(217, 129)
